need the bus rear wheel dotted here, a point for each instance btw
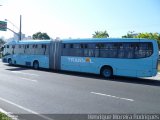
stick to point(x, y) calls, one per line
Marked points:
point(107, 72)
point(36, 65)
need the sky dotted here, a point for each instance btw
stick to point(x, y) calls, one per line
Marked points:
point(80, 18)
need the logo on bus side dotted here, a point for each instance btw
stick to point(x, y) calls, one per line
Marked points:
point(80, 60)
point(88, 60)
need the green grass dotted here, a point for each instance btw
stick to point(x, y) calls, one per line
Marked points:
point(4, 117)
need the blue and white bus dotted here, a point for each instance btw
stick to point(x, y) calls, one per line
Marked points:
point(105, 56)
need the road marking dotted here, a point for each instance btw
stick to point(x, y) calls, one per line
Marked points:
point(26, 109)
point(29, 79)
point(19, 72)
point(112, 96)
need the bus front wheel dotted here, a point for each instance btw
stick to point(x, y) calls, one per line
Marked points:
point(106, 71)
point(36, 65)
point(10, 61)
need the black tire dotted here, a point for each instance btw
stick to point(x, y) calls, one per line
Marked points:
point(10, 61)
point(36, 65)
point(107, 72)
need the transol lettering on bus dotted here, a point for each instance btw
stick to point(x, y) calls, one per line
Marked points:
point(80, 60)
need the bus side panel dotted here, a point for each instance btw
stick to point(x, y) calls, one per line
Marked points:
point(135, 67)
point(42, 59)
point(71, 63)
point(27, 60)
point(121, 67)
point(79, 64)
point(18, 59)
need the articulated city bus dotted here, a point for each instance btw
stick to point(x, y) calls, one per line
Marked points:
point(104, 56)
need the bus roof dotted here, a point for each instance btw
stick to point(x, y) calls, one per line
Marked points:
point(28, 42)
point(106, 40)
point(84, 40)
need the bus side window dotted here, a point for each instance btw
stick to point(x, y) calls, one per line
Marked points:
point(40, 50)
point(76, 45)
point(31, 49)
point(43, 46)
point(145, 49)
point(43, 49)
point(77, 50)
point(63, 45)
point(47, 49)
point(129, 50)
point(13, 46)
point(71, 45)
point(65, 49)
point(27, 50)
point(89, 50)
point(13, 49)
point(16, 49)
point(103, 52)
point(10, 50)
point(149, 50)
point(113, 50)
point(67, 45)
point(22, 49)
point(136, 51)
point(72, 50)
point(121, 50)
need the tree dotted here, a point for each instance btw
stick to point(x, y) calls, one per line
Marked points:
point(1, 41)
point(40, 36)
point(100, 34)
point(130, 34)
point(155, 36)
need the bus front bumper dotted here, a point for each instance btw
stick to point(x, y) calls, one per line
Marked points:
point(4, 60)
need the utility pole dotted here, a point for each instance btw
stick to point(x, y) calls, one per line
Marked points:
point(20, 28)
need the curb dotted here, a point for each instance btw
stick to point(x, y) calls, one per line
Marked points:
point(8, 114)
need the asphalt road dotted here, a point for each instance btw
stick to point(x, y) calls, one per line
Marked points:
point(48, 94)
